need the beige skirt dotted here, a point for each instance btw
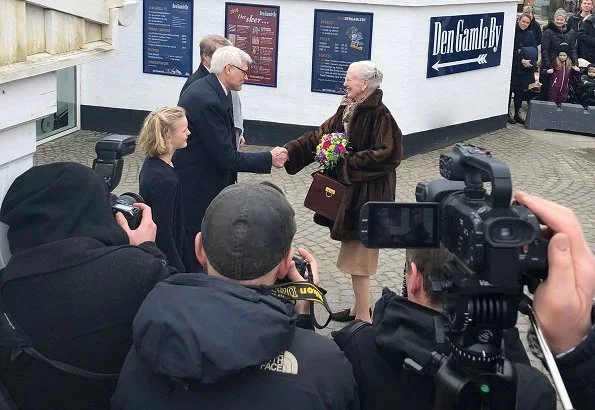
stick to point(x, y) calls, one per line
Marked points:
point(355, 259)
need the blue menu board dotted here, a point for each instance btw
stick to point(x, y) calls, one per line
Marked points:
point(340, 38)
point(167, 37)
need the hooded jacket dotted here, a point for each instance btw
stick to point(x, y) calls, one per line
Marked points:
point(551, 40)
point(203, 342)
point(402, 329)
point(73, 285)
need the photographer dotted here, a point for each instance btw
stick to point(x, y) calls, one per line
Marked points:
point(564, 302)
point(405, 327)
point(73, 286)
point(222, 340)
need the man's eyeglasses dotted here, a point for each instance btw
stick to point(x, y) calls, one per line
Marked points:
point(242, 70)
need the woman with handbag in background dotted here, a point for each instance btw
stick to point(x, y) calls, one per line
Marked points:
point(367, 170)
point(524, 62)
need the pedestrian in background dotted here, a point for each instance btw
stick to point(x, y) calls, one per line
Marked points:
point(524, 61)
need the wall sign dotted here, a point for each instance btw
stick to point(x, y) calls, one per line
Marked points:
point(255, 29)
point(464, 43)
point(167, 37)
point(340, 38)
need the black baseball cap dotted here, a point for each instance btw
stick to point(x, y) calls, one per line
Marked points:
point(247, 230)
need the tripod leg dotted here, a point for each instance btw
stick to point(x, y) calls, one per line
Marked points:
point(550, 361)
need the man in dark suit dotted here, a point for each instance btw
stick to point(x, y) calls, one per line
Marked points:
point(208, 45)
point(211, 160)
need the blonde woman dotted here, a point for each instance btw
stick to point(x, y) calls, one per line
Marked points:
point(164, 131)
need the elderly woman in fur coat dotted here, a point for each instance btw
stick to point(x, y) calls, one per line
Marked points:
point(368, 171)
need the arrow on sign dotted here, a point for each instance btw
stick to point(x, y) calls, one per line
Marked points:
point(481, 59)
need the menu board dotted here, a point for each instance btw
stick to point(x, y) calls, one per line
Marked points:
point(340, 38)
point(167, 37)
point(255, 29)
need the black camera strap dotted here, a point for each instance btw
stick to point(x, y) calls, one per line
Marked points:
point(307, 291)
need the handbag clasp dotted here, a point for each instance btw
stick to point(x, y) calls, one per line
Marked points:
point(329, 192)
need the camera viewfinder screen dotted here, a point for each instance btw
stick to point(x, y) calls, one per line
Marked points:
point(394, 225)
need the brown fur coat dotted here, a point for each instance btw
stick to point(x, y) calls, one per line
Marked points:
point(375, 150)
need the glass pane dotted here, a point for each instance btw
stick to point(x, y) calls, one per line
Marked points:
point(65, 115)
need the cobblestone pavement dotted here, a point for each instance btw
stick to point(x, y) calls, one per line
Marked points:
point(557, 166)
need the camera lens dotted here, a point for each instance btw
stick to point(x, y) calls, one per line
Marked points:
point(129, 198)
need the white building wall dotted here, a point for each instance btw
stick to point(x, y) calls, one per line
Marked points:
point(399, 47)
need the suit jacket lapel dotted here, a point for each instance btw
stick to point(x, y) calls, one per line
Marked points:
point(225, 100)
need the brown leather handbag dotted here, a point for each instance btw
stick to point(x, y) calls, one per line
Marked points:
point(325, 195)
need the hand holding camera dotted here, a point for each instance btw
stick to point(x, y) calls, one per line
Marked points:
point(563, 302)
point(146, 231)
point(299, 273)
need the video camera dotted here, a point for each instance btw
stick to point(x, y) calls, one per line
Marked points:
point(109, 164)
point(497, 249)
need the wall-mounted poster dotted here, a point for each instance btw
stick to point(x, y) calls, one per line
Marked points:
point(340, 38)
point(167, 37)
point(464, 43)
point(255, 29)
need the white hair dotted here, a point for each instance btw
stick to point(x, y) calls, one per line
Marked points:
point(368, 71)
point(228, 55)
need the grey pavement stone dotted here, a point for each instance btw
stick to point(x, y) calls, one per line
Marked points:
point(555, 165)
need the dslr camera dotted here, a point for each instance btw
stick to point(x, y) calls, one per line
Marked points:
point(109, 164)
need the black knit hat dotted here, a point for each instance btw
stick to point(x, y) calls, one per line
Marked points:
point(564, 48)
point(247, 230)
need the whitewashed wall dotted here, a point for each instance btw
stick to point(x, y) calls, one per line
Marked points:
point(23, 102)
point(400, 43)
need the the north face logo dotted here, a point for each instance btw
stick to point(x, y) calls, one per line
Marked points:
point(284, 363)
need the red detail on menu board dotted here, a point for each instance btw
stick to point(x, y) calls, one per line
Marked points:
point(255, 29)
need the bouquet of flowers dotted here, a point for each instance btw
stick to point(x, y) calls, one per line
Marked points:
point(331, 149)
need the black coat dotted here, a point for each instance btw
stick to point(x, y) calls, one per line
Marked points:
point(72, 284)
point(537, 31)
point(200, 72)
point(586, 39)
point(522, 76)
point(209, 162)
point(160, 188)
point(551, 40)
point(205, 343)
point(577, 369)
point(402, 329)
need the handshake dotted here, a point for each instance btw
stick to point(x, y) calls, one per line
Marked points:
point(280, 157)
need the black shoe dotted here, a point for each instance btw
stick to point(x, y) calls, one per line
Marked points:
point(511, 120)
point(519, 120)
point(344, 316)
point(334, 334)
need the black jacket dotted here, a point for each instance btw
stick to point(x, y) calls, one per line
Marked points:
point(403, 329)
point(208, 163)
point(575, 21)
point(203, 342)
point(551, 39)
point(578, 372)
point(73, 285)
point(586, 39)
point(200, 72)
point(537, 31)
point(522, 76)
point(160, 188)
